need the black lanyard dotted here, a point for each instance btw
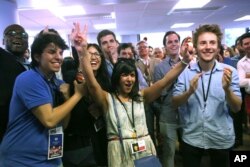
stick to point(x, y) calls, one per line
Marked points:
point(132, 122)
point(209, 82)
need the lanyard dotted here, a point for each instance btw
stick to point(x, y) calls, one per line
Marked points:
point(132, 122)
point(209, 82)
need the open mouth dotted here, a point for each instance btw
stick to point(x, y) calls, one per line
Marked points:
point(93, 63)
point(129, 85)
point(56, 64)
point(17, 43)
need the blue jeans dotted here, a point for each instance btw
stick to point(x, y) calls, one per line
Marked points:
point(152, 120)
point(169, 134)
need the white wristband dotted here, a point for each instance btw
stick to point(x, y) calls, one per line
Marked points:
point(183, 62)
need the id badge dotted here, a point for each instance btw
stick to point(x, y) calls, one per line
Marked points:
point(55, 145)
point(138, 146)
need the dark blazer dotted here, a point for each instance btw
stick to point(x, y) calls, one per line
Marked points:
point(10, 68)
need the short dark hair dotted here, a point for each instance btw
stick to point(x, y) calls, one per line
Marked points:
point(123, 46)
point(126, 66)
point(169, 33)
point(41, 42)
point(12, 27)
point(104, 33)
point(243, 36)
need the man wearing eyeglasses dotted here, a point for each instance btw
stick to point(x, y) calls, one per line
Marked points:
point(12, 63)
point(147, 64)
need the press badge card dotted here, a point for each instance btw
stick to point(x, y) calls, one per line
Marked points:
point(55, 145)
point(138, 146)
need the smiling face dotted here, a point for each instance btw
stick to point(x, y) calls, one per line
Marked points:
point(16, 40)
point(95, 58)
point(172, 45)
point(50, 60)
point(109, 45)
point(246, 46)
point(207, 47)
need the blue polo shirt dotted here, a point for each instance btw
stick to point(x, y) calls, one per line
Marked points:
point(26, 140)
point(210, 126)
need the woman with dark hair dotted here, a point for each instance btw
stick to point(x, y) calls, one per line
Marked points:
point(85, 137)
point(38, 113)
point(123, 107)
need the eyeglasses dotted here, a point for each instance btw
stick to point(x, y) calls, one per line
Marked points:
point(96, 54)
point(24, 35)
point(142, 47)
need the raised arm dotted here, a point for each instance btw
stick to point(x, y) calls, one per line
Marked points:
point(153, 92)
point(80, 43)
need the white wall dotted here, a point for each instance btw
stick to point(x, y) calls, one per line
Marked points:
point(156, 39)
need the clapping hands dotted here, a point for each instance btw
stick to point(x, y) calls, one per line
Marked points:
point(226, 78)
point(188, 53)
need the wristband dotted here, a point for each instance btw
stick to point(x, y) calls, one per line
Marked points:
point(183, 62)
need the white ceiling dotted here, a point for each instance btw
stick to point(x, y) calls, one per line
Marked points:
point(135, 16)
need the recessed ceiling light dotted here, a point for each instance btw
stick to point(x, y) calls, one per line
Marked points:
point(105, 26)
point(184, 4)
point(247, 17)
point(181, 25)
point(68, 10)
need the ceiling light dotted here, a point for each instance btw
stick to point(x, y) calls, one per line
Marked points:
point(185, 4)
point(181, 25)
point(105, 26)
point(247, 17)
point(110, 16)
point(68, 10)
point(113, 16)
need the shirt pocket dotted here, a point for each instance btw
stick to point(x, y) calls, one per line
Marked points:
point(217, 93)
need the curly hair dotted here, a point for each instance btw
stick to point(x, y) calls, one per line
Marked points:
point(42, 41)
point(213, 28)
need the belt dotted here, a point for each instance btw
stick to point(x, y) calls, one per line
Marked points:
point(126, 138)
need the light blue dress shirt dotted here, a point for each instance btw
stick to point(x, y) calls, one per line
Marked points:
point(110, 67)
point(207, 126)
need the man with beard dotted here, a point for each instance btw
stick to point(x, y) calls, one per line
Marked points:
point(12, 63)
point(204, 93)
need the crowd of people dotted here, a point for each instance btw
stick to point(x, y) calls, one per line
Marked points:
point(114, 96)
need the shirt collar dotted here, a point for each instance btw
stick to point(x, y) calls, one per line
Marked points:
point(195, 67)
point(53, 79)
point(245, 58)
point(145, 61)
